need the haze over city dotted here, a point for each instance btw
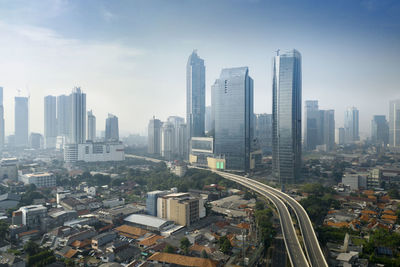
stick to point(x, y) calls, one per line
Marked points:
point(130, 57)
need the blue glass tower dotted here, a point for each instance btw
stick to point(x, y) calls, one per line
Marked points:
point(233, 115)
point(286, 116)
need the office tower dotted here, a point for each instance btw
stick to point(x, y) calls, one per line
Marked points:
point(154, 137)
point(50, 121)
point(35, 141)
point(327, 130)
point(233, 105)
point(112, 129)
point(167, 140)
point(351, 125)
point(208, 120)
point(394, 123)
point(21, 121)
point(379, 130)
point(181, 133)
point(312, 118)
point(286, 116)
point(91, 132)
point(340, 136)
point(64, 115)
point(2, 131)
point(263, 131)
point(78, 119)
point(195, 95)
point(176, 121)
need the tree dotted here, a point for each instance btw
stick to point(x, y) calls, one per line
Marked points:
point(185, 244)
point(169, 249)
point(225, 244)
point(204, 254)
point(31, 248)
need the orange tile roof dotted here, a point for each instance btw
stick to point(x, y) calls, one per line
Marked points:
point(368, 192)
point(370, 212)
point(332, 211)
point(389, 217)
point(390, 212)
point(364, 218)
point(200, 248)
point(81, 244)
point(337, 224)
point(182, 260)
point(71, 253)
point(28, 233)
point(244, 225)
point(151, 240)
point(130, 231)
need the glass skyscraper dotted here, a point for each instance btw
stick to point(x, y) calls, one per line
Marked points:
point(379, 130)
point(351, 125)
point(78, 119)
point(286, 116)
point(50, 121)
point(233, 115)
point(112, 128)
point(394, 124)
point(21, 121)
point(195, 96)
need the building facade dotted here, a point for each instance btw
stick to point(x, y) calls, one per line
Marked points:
point(112, 128)
point(50, 121)
point(394, 124)
point(2, 125)
point(263, 131)
point(64, 115)
point(167, 140)
point(195, 96)
point(351, 125)
point(154, 137)
point(91, 126)
point(286, 116)
point(234, 117)
point(379, 130)
point(78, 118)
point(94, 152)
point(42, 179)
point(312, 117)
point(21, 122)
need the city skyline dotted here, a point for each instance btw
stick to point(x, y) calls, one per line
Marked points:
point(38, 43)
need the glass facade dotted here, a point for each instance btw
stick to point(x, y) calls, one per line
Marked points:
point(351, 125)
point(394, 123)
point(286, 116)
point(195, 96)
point(233, 115)
point(379, 130)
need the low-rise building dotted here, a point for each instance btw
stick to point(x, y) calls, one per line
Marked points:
point(41, 179)
point(114, 202)
point(94, 152)
point(9, 200)
point(9, 169)
point(32, 216)
point(102, 239)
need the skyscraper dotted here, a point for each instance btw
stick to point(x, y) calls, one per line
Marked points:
point(78, 119)
point(233, 114)
point(351, 125)
point(91, 132)
point(286, 116)
point(379, 130)
point(112, 129)
point(167, 140)
point(340, 137)
point(327, 129)
point(50, 121)
point(195, 96)
point(208, 119)
point(21, 121)
point(176, 122)
point(64, 115)
point(394, 124)
point(263, 131)
point(312, 118)
point(2, 131)
point(154, 137)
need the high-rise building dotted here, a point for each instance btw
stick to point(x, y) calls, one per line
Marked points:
point(91, 125)
point(35, 141)
point(21, 121)
point(2, 130)
point(327, 130)
point(167, 140)
point(351, 125)
point(312, 118)
point(50, 121)
point(78, 120)
point(208, 120)
point(394, 124)
point(340, 136)
point(181, 133)
point(154, 137)
point(234, 116)
point(176, 121)
point(379, 130)
point(195, 96)
point(263, 131)
point(286, 116)
point(64, 115)
point(112, 129)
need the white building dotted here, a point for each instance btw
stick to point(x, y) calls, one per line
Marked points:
point(115, 202)
point(42, 179)
point(94, 152)
point(91, 121)
point(31, 216)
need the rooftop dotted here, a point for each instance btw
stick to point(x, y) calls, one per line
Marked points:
point(145, 220)
point(180, 260)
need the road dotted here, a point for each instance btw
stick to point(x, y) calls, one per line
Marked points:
point(312, 247)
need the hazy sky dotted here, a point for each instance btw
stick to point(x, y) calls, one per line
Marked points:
point(130, 56)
